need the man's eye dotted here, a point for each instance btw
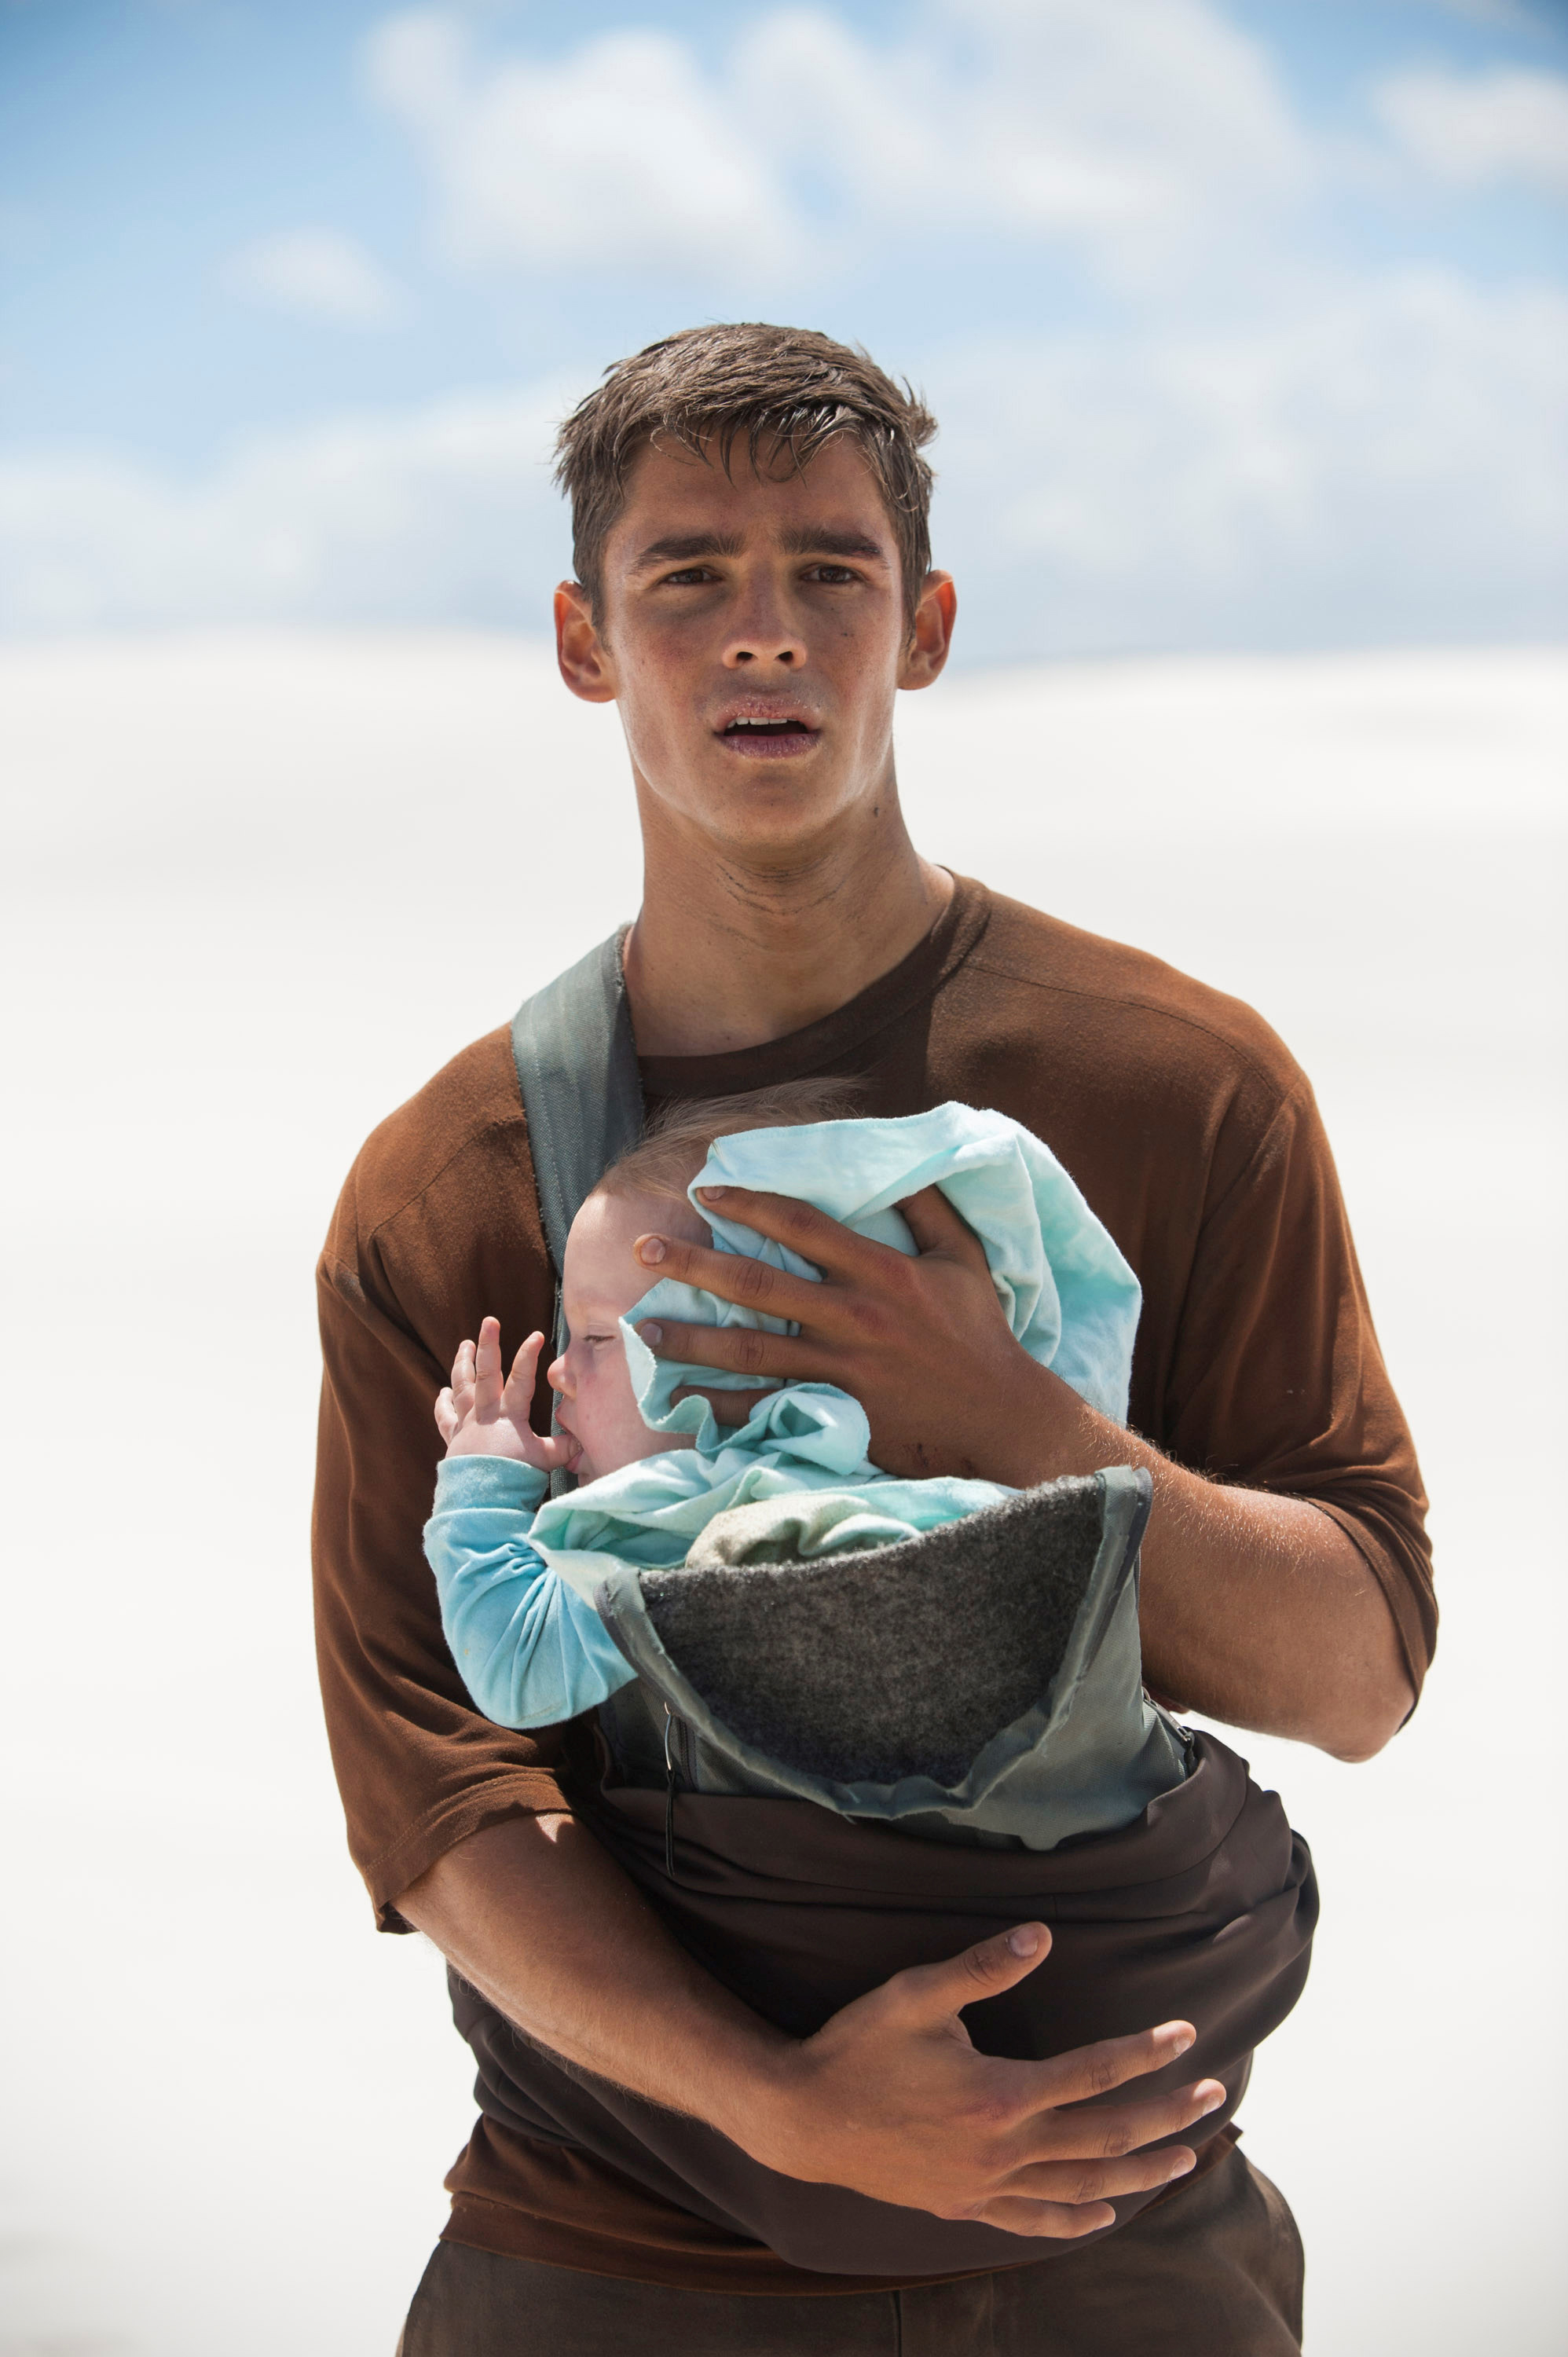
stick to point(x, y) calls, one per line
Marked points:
point(833, 574)
point(688, 575)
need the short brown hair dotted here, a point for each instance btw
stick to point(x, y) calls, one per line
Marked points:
point(681, 1136)
point(786, 387)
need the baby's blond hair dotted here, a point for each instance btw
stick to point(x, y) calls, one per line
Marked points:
point(680, 1136)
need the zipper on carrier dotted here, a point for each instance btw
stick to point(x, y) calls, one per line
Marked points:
point(674, 1740)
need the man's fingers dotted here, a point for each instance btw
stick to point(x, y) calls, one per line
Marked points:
point(1101, 2180)
point(930, 1993)
point(825, 1242)
point(1106, 2132)
point(1091, 2071)
point(1046, 2221)
point(936, 1226)
point(1056, 2125)
point(749, 1349)
point(751, 1284)
point(1089, 2136)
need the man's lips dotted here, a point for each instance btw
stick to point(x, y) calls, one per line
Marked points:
point(760, 735)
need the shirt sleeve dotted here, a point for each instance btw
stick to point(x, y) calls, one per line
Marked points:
point(531, 1651)
point(1277, 1380)
point(419, 1769)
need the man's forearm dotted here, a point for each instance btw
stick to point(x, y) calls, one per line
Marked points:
point(888, 2097)
point(538, 1919)
point(1256, 1609)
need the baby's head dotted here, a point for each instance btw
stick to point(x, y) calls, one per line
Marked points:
point(645, 1194)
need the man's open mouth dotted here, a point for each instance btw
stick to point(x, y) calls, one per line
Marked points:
point(768, 735)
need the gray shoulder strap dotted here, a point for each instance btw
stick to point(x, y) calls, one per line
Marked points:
point(577, 1065)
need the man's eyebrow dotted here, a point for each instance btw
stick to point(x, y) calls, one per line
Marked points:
point(821, 540)
point(686, 548)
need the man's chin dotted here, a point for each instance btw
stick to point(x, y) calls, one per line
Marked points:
point(769, 810)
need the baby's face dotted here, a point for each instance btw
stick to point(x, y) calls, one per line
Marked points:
point(602, 1280)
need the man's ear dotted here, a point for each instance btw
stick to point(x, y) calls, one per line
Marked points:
point(581, 652)
point(931, 634)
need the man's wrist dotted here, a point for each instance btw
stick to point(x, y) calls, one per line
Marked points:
point(758, 2100)
point(1052, 1432)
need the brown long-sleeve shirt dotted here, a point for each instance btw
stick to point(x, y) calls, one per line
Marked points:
point(1193, 1135)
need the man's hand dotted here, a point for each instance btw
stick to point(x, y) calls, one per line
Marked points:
point(478, 1415)
point(1256, 1608)
point(923, 1344)
point(891, 2099)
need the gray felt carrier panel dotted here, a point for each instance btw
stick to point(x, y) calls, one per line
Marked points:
point(898, 1660)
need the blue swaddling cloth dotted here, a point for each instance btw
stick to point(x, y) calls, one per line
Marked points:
point(1069, 1297)
point(518, 1577)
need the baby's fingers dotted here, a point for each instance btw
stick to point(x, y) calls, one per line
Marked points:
point(488, 1370)
point(447, 1415)
point(517, 1400)
point(462, 1385)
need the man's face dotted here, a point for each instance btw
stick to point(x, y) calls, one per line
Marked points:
point(753, 633)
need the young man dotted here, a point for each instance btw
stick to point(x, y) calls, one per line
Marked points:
point(753, 587)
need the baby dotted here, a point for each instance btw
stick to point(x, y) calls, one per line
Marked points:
point(531, 1650)
point(552, 1608)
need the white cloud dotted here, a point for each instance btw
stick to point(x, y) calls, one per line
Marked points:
point(1471, 130)
point(1389, 462)
point(1129, 126)
point(619, 153)
point(317, 274)
point(443, 512)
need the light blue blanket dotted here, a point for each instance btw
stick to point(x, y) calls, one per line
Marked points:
point(516, 1588)
point(1069, 1297)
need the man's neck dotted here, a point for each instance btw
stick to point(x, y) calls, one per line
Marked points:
point(728, 954)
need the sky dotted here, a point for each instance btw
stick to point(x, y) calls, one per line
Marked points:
point(1246, 320)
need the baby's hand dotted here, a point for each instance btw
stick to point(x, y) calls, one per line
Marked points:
point(478, 1415)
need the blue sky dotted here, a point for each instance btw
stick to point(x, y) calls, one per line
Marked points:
point(1247, 319)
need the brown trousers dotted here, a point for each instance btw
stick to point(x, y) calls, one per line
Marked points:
point(1214, 2271)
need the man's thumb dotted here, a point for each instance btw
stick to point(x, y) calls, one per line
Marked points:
point(984, 1970)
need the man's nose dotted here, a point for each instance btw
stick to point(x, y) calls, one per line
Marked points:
point(762, 634)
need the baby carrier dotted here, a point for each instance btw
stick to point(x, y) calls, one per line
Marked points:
point(815, 1789)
